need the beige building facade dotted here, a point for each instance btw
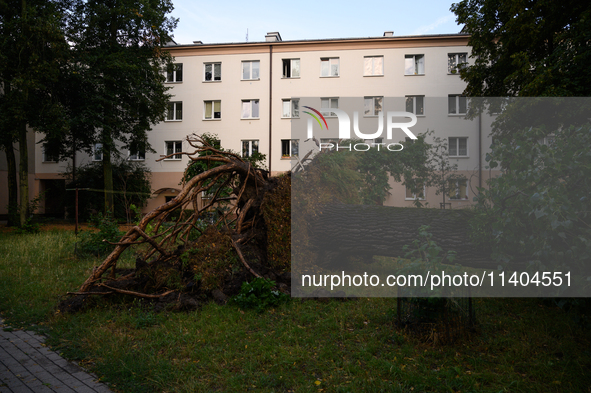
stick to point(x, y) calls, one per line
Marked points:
point(248, 94)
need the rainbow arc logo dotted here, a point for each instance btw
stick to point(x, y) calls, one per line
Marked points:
point(314, 116)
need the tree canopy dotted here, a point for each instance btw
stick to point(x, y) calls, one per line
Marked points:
point(527, 48)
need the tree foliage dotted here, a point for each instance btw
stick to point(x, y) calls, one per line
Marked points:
point(539, 209)
point(117, 60)
point(525, 48)
point(131, 186)
point(32, 51)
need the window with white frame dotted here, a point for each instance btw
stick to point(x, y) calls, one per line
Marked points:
point(373, 66)
point(136, 153)
point(458, 190)
point(414, 65)
point(174, 73)
point(251, 70)
point(213, 72)
point(49, 154)
point(249, 147)
point(456, 104)
point(458, 146)
point(173, 147)
point(372, 106)
point(411, 196)
point(212, 110)
point(455, 62)
point(175, 111)
point(291, 68)
point(329, 103)
point(329, 66)
point(97, 152)
point(291, 108)
point(415, 104)
point(250, 109)
point(289, 148)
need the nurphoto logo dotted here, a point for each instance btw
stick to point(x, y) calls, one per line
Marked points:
point(345, 128)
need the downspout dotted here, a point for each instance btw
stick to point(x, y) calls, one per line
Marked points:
point(479, 151)
point(270, 104)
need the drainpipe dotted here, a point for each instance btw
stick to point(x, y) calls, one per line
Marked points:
point(270, 104)
point(479, 150)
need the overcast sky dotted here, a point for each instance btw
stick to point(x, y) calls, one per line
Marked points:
point(228, 20)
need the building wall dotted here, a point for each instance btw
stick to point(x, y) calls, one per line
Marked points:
point(270, 127)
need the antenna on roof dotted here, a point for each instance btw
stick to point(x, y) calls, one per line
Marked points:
point(246, 34)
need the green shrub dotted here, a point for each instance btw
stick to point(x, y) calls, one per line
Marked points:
point(97, 242)
point(259, 294)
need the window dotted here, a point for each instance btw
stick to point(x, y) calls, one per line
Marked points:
point(373, 66)
point(212, 110)
point(291, 108)
point(372, 106)
point(291, 68)
point(414, 65)
point(49, 155)
point(455, 62)
point(329, 67)
point(458, 190)
point(412, 196)
point(289, 148)
point(213, 72)
point(327, 103)
point(249, 147)
point(174, 73)
point(457, 105)
point(97, 152)
point(173, 147)
point(250, 109)
point(251, 70)
point(136, 153)
point(458, 147)
point(415, 104)
point(175, 111)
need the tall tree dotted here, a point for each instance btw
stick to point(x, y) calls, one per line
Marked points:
point(33, 49)
point(527, 48)
point(119, 57)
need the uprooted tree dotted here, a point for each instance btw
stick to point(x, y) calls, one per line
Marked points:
point(186, 258)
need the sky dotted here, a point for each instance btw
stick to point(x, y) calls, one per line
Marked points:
point(225, 21)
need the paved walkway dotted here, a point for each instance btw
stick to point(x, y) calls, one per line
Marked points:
point(26, 366)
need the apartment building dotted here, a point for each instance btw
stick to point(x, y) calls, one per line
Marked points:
point(251, 95)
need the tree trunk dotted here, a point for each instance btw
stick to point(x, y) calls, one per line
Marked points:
point(108, 175)
point(343, 230)
point(23, 173)
point(13, 218)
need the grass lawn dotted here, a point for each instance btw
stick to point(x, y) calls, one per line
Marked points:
point(521, 345)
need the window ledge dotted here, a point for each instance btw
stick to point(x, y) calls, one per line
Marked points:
point(290, 118)
point(250, 118)
point(212, 81)
point(246, 80)
point(288, 158)
point(414, 199)
point(174, 83)
point(330, 76)
point(459, 156)
point(290, 77)
point(373, 76)
point(172, 159)
point(220, 119)
point(414, 74)
point(456, 114)
point(172, 121)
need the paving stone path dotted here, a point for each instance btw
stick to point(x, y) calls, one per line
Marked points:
point(27, 366)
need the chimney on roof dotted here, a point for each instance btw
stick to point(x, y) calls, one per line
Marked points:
point(198, 42)
point(273, 36)
point(388, 34)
